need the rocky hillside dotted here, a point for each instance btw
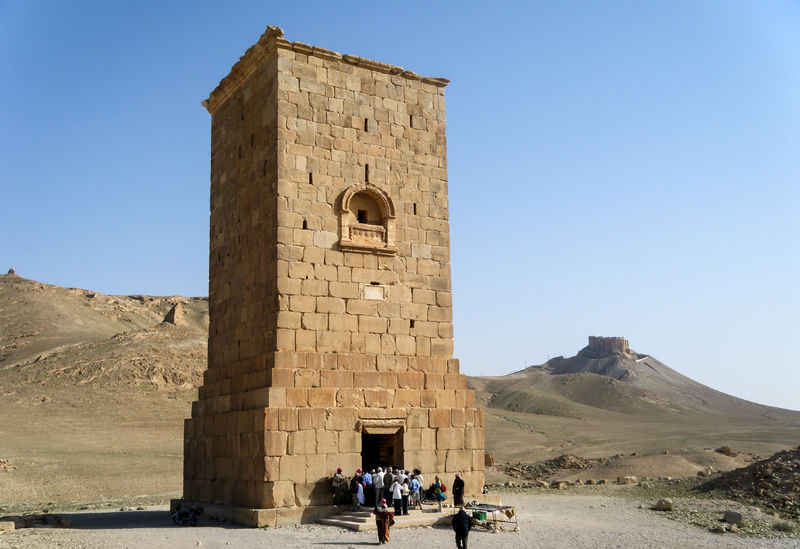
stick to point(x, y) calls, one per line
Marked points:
point(68, 337)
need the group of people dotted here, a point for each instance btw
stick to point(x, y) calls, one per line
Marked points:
point(376, 487)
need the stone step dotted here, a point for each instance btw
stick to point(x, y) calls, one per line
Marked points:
point(361, 523)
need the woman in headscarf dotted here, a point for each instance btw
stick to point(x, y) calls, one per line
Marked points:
point(384, 519)
point(458, 491)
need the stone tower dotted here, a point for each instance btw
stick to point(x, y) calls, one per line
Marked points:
point(331, 332)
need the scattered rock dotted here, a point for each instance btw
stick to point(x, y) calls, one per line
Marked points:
point(547, 468)
point(541, 484)
point(664, 504)
point(558, 485)
point(773, 482)
point(600, 481)
point(627, 480)
point(732, 517)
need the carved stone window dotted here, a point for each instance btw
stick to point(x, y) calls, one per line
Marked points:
point(367, 219)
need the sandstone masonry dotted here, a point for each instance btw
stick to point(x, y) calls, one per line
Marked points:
point(331, 333)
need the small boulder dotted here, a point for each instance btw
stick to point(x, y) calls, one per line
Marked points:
point(627, 480)
point(732, 517)
point(541, 484)
point(664, 504)
point(558, 485)
point(600, 481)
point(726, 451)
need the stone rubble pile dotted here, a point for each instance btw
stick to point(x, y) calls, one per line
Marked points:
point(773, 482)
point(538, 471)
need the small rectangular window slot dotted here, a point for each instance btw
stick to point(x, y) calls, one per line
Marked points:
point(362, 216)
point(411, 324)
point(415, 208)
point(264, 168)
point(366, 124)
point(252, 141)
point(305, 224)
point(373, 283)
point(310, 178)
point(240, 151)
point(366, 173)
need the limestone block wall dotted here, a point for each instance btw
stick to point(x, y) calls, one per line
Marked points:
point(314, 335)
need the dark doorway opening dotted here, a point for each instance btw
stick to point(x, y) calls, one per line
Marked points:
point(381, 450)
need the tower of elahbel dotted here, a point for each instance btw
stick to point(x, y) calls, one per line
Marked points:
point(331, 332)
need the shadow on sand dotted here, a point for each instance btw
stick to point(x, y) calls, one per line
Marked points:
point(113, 520)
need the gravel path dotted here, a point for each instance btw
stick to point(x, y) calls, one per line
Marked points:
point(545, 521)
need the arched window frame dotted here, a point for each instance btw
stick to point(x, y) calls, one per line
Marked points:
point(366, 238)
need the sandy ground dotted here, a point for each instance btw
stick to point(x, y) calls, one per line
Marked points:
point(545, 521)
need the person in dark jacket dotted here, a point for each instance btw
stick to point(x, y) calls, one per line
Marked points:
point(462, 523)
point(354, 483)
point(458, 491)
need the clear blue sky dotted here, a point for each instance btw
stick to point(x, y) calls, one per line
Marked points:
point(616, 168)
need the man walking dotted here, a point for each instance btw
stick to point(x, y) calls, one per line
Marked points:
point(461, 526)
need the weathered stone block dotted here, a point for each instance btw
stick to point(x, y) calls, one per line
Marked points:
point(378, 398)
point(297, 396)
point(277, 494)
point(302, 442)
point(448, 438)
point(439, 418)
point(342, 419)
point(458, 460)
point(350, 397)
point(275, 443)
point(406, 398)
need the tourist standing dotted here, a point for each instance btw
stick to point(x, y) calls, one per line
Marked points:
point(355, 484)
point(397, 497)
point(415, 487)
point(369, 491)
point(458, 491)
point(339, 486)
point(404, 491)
point(388, 479)
point(438, 492)
point(377, 483)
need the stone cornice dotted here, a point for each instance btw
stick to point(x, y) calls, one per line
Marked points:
point(272, 39)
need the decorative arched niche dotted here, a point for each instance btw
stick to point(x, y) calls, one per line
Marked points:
point(367, 219)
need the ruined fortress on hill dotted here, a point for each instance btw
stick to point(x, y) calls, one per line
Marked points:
point(331, 332)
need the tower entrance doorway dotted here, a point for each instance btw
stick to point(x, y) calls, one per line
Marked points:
point(380, 450)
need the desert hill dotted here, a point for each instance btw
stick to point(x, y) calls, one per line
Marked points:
point(94, 389)
point(52, 334)
point(599, 403)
